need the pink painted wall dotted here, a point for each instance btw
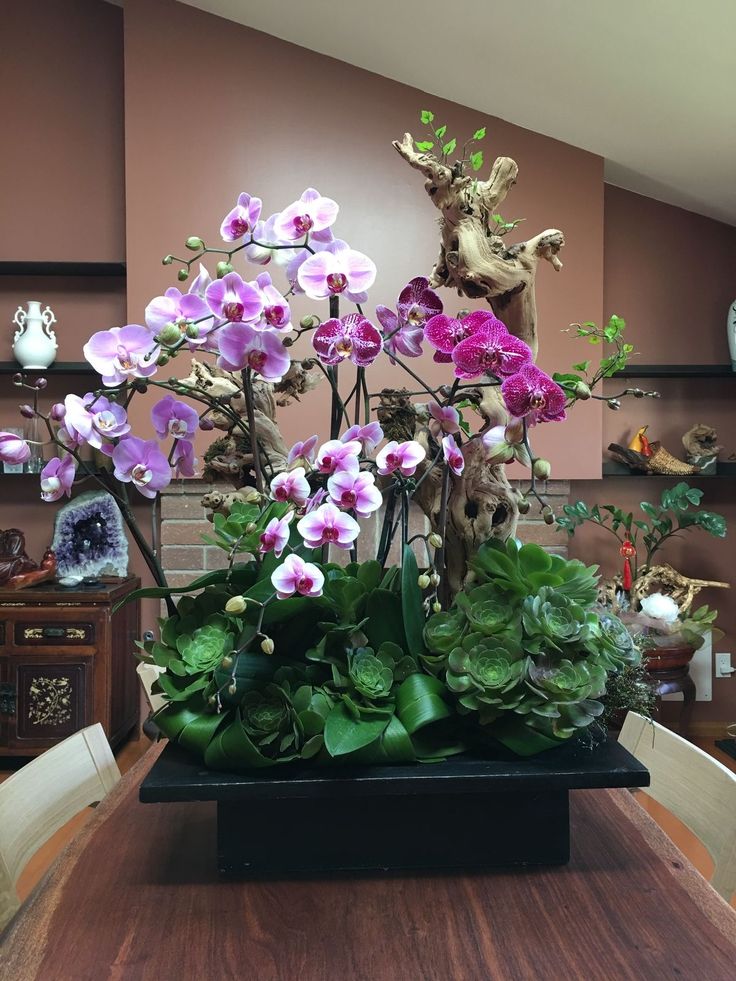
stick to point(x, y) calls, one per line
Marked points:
point(255, 113)
point(670, 274)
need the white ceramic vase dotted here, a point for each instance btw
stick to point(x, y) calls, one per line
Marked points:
point(34, 344)
point(731, 332)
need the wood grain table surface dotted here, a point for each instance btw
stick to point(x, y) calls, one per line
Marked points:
point(136, 896)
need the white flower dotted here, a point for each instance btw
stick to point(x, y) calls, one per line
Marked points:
point(659, 606)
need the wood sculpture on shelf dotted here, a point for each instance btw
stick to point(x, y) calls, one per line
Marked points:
point(660, 461)
point(701, 446)
point(660, 578)
point(17, 569)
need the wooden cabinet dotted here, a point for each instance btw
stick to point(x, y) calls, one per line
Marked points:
point(66, 661)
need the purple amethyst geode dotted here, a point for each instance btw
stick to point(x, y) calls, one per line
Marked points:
point(89, 537)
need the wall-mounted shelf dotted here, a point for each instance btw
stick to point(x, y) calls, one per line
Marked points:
point(676, 371)
point(613, 469)
point(12, 267)
point(57, 368)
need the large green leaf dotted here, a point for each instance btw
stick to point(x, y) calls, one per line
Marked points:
point(412, 603)
point(345, 734)
point(419, 702)
point(385, 622)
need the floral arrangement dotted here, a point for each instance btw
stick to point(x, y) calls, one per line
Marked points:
point(287, 653)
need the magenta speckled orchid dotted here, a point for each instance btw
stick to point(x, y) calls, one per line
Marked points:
point(531, 394)
point(295, 575)
point(122, 352)
point(337, 270)
point(234, 300)
point(242, 219)
point(328, 525)
point(445, 333)
point(291, 485)
point(355, 491)
point(404, 457)
point(242, 346)
point(57, 478)
point(311, 213)
point(491, 351)
point(275, 536)
point(141, 463)
point(172, 417)
point(353, 337)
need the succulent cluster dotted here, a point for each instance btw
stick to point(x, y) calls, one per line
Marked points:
point(524, 649)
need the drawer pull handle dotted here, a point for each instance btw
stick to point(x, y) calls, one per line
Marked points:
point(54, 632)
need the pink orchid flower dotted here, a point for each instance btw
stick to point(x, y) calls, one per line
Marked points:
point(399, 338)
point(234, 300)
point(368, 436)
point(355, 491)
point(303, 451)
point(311, 212)
point(294, 259)
point(122, 352)
point(241, 219)
point(242, 346)
point(337, 271)
point(182, 459)
point(404, 457)
point(141, 463)
point(352, 337)
point(198, 286)
point(418, 302)
point(263, 232)
point(492, 351)
point(531, 394)
point(316, 500)
point(94, 420)
point(404, 330)
point(181, 310)
point(13, 449)
point(57, 478)
point(328, 525)
point(335, 455)
point(295, 575)
point(453, 455)
point(275, 536)
point(445, 419)
point(291, 485)
point(171, 417)
point(276, 312)
point(501, 444)
point(445, 333)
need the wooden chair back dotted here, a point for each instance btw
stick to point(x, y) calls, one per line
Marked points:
point(42, 796)
point(694, 786)
point(148, 673)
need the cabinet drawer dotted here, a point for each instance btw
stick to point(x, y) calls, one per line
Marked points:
point(30, 634)
point(48, 702)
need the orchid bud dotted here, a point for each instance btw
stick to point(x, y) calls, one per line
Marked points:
point(267, 645)
point(434, 579)
point(227, 662)
point(500, 453)
point(232, 688)
point(462, 314)
point(523, 506)
point(211, 700)
point(140, 385)
point(288, 341)
point(542, 469)
point(206, 425)
point(306, 323)
point(183, 274)
point(162, 360)
point(514, 432)
point(548, 515)
point(58, 411)
point(41, 383)
point(253, 496)
point(192, 331)
point(435, 540)
point(167, 260)
point(169, 334)
point(195, 243)
point(236, 604)
point(222, 269)
point(27, 411)
point(581, 390)
point(614, 404)
point(423, 581)
point(437, 607)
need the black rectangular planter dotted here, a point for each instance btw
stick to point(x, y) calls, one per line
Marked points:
point(465, 813)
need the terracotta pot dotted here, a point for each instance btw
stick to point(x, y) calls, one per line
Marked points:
point(668, 658)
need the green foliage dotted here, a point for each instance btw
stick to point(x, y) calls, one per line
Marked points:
point(526, 651)
point(449, 146)
point(579, 382)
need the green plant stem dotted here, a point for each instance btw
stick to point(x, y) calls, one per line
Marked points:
point(246, 375)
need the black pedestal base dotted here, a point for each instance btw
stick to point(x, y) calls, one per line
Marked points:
point(465, 813)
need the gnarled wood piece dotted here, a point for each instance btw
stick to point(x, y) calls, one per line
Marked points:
point(473, 259)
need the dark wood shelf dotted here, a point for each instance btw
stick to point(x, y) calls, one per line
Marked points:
point(613, 469)
point(57, 368)
point(11, 267)
point(676, 371)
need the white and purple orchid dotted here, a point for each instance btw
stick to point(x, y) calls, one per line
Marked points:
point(337, 270)
point(311, 213)
point(295, 575)
point(242, 219)
point(140, 462)
point(328, 525)
point(122, 353)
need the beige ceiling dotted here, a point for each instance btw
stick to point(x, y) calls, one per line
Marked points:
point(650, 85)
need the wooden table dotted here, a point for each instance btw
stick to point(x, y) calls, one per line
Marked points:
point(135, 896)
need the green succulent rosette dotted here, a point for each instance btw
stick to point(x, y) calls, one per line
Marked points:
point(611, 644)
point(372, 676)
point(486, 675)
point(553, 622)
point(271, 723)
point(566, 693)
point(203, 649)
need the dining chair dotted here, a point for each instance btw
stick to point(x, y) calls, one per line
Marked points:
point(148, 673)
point(695, 787)
point(42, 796)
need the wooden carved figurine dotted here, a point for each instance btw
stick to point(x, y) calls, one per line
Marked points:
point(17, 568)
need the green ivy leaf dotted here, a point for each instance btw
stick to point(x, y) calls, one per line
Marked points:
point(426, 116)
point(424, 145)
point(476, 160)
point(439, 133)
point(479, 134)
point(582, 366)
point(449, 147)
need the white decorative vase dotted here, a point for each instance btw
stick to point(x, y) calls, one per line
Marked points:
point(34, 344)
point(731, 332)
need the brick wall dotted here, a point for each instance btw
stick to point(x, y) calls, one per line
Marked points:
point(183, 522)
